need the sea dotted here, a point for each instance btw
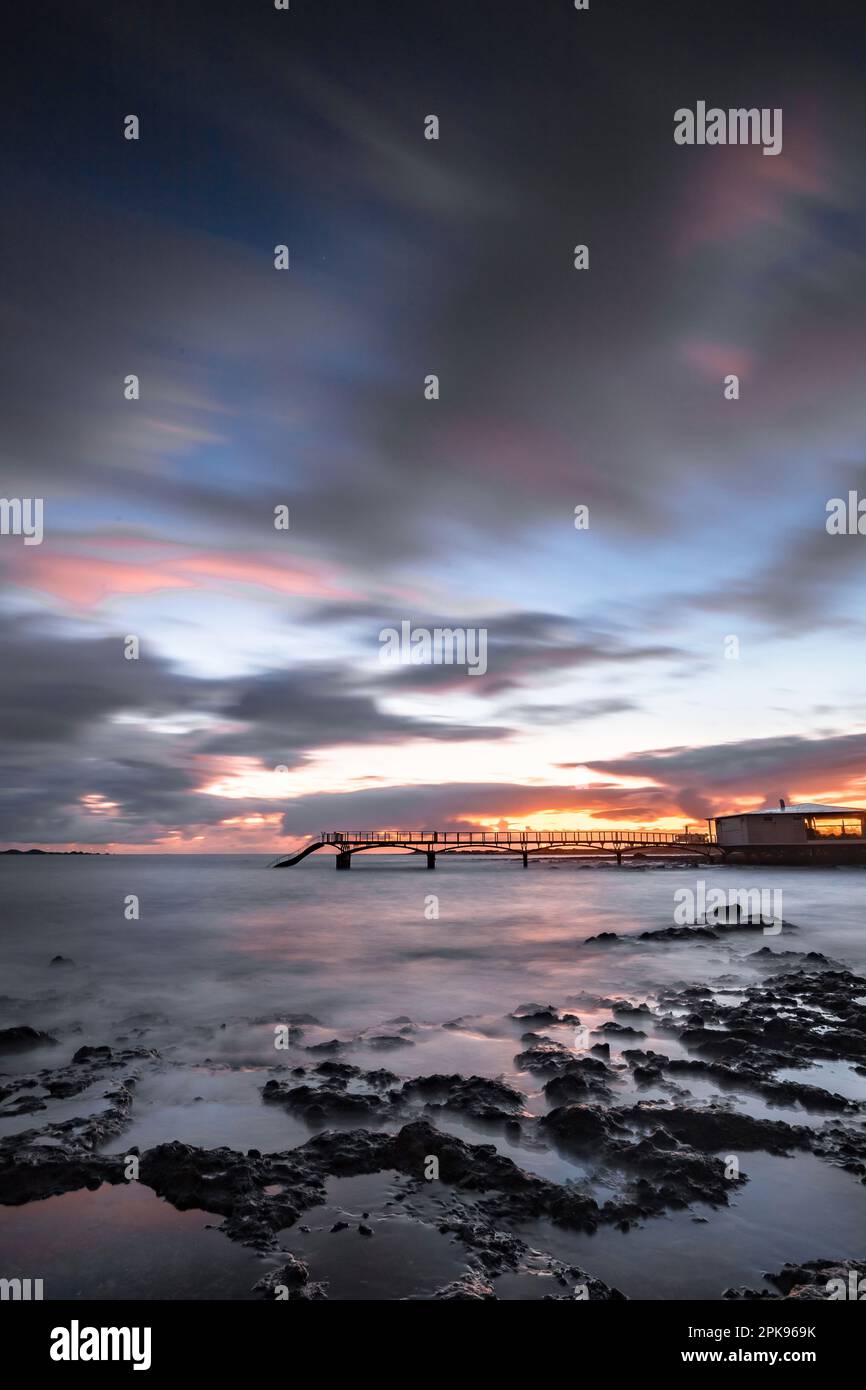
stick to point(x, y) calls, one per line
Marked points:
point(203, 958)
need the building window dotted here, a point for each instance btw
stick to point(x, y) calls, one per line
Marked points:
point(841, 828)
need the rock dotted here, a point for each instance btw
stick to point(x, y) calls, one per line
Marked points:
point(25, 1105)
point(619, 1030)
point(716, 1129)
point(318, 1103)
point(92, 1054)
point(291, 1282)
point(469, 1288)
point(22, 1038)
point(479, 1097)
point(545, 1055)
point(582, 1125)
point(584, 1078)
point(815, 1280)
point(535, 1013)
point(696, 933)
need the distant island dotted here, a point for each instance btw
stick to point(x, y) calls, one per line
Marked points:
point(54, 851)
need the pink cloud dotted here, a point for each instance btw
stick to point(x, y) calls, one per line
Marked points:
point(716, 360)
point(85, 579)
point(739, 189)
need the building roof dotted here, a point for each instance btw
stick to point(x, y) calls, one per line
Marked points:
point(801, 808)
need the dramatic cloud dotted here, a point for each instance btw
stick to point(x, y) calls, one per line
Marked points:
point(558, 389)
point(459, 806)
point(763, 768)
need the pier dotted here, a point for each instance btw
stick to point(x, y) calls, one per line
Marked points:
point(509, 844)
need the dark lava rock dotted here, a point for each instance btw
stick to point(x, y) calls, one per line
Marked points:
point(793, 1279)
point(714, 1042)
point(752, 1295)
point(24, 1105)
point(92, 1054)
point(535, 1013)
point(842, 1146)
point(317, 1103)
point(107, 1056)
point(343, 1072)
point(815, 1280)
point(469, 1288)
point(545, 1055)
point(494, 1249)
point(619, 1030)
point(715, 1129)
point(586, 1289)
point(61, 960)
point(740, 1078)
point(666, 1173)
point(632, 1011)
point(477, 1096)
point(291, 1282)
point(365, 1230)
point(581, 1126)
point(647, 1076)
point(776, 1022)
point(19, 1039)
point(234, 1185)
point(696, 933)
point(637, 1057)
point(806, 960)
point(585, 1078)
point(479, 1167)
point(673, 1176)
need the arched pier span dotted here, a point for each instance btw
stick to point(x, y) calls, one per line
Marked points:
point(508, 843)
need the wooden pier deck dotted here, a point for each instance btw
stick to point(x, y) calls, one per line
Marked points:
point(432, 843)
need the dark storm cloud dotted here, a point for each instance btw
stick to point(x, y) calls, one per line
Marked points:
point(457, 806)
point(287, 711)
point(524, 649)
point(80, 720)
point(809, 574)
point(412, 257)
point(408, 258)
point(56, 684)
point(703, 778)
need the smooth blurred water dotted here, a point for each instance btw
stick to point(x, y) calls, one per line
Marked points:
point(221, 938)
point(225, 948)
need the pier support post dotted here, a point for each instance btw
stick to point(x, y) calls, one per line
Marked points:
point(431, 859)
point(344, 860)
point(619, 856)
point(525, 860)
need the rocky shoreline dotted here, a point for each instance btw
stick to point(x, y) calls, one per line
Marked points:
point(669, 1151)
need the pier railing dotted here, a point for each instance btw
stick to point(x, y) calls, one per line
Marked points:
point(523, 842)
point(515, 837)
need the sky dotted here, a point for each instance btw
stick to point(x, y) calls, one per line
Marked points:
point(696, 648)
